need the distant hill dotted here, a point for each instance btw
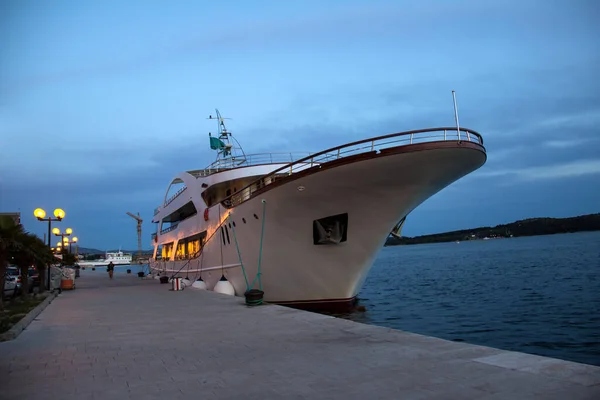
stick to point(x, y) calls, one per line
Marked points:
point(86, 250)
point(525, 227)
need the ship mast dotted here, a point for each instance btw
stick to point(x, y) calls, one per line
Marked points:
point(229, 151)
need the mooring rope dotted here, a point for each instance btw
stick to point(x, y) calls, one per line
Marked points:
point(222, 240)
point(262, 233)
point(258, 273)
point(199, 274)
point(237, 247)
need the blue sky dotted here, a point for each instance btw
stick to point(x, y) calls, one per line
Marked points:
point(103, 102)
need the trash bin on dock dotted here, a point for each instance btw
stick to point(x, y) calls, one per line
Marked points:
point(67, 281)
point(67, 284)
point(55, 277)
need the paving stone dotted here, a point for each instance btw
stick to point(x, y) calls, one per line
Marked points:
point(135, 339)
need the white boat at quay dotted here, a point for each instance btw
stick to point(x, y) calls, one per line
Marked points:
point(303, 228)
point(116, 257)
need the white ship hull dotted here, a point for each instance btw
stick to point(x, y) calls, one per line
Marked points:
point(375, 190)
point(115, 263)
point(101, 263)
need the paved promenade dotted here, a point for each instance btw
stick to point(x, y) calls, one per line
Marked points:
point(134, 339)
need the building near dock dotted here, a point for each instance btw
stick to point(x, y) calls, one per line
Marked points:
point(16, 216)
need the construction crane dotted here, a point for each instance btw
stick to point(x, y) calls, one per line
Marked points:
point(139, 233)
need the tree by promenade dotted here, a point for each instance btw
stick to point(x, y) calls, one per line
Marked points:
point(24, 250)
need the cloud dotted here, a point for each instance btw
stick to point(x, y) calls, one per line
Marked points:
point(580, 111)
point(547, 172)
point(283, 28)
point(107, 120)
point(567, 143)
point(259, 30)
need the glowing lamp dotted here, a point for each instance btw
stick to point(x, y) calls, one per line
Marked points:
point(39, 213)
point(59, 244)
point(59, 213)
point(66, 240)
point(56, 231)
point(75, 239)
point(69, 231)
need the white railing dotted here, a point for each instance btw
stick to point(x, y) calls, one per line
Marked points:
point(170, 199)
point(248, 161)
point(364, 146)
point(169, 229)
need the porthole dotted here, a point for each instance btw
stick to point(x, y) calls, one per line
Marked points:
point(234, 224)
point(255, 216)
point(244, 220)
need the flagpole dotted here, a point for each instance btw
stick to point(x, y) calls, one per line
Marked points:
point(456, 114)
point(456, 118)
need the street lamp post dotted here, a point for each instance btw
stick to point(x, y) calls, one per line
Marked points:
point(74, 240)
point(59, 248)
point(40, 214)
point(70, 242)
point(63, 236)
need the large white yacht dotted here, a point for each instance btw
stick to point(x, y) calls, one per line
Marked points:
point(303, 228)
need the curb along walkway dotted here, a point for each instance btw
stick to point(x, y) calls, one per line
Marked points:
point(21, 325)
point(134, 339)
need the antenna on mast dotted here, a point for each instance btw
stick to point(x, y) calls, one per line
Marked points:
point(221, 123)
point(228, 154)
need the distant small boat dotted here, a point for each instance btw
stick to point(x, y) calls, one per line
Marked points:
point(117, 258)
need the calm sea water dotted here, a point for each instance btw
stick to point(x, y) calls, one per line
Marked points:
point(538, 295)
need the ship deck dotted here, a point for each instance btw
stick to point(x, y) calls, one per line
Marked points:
point(133, 338)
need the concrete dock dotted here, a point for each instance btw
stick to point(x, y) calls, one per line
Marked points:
point(135, 339)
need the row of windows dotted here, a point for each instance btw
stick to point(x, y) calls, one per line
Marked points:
point(190, 247)
point(186, 248)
